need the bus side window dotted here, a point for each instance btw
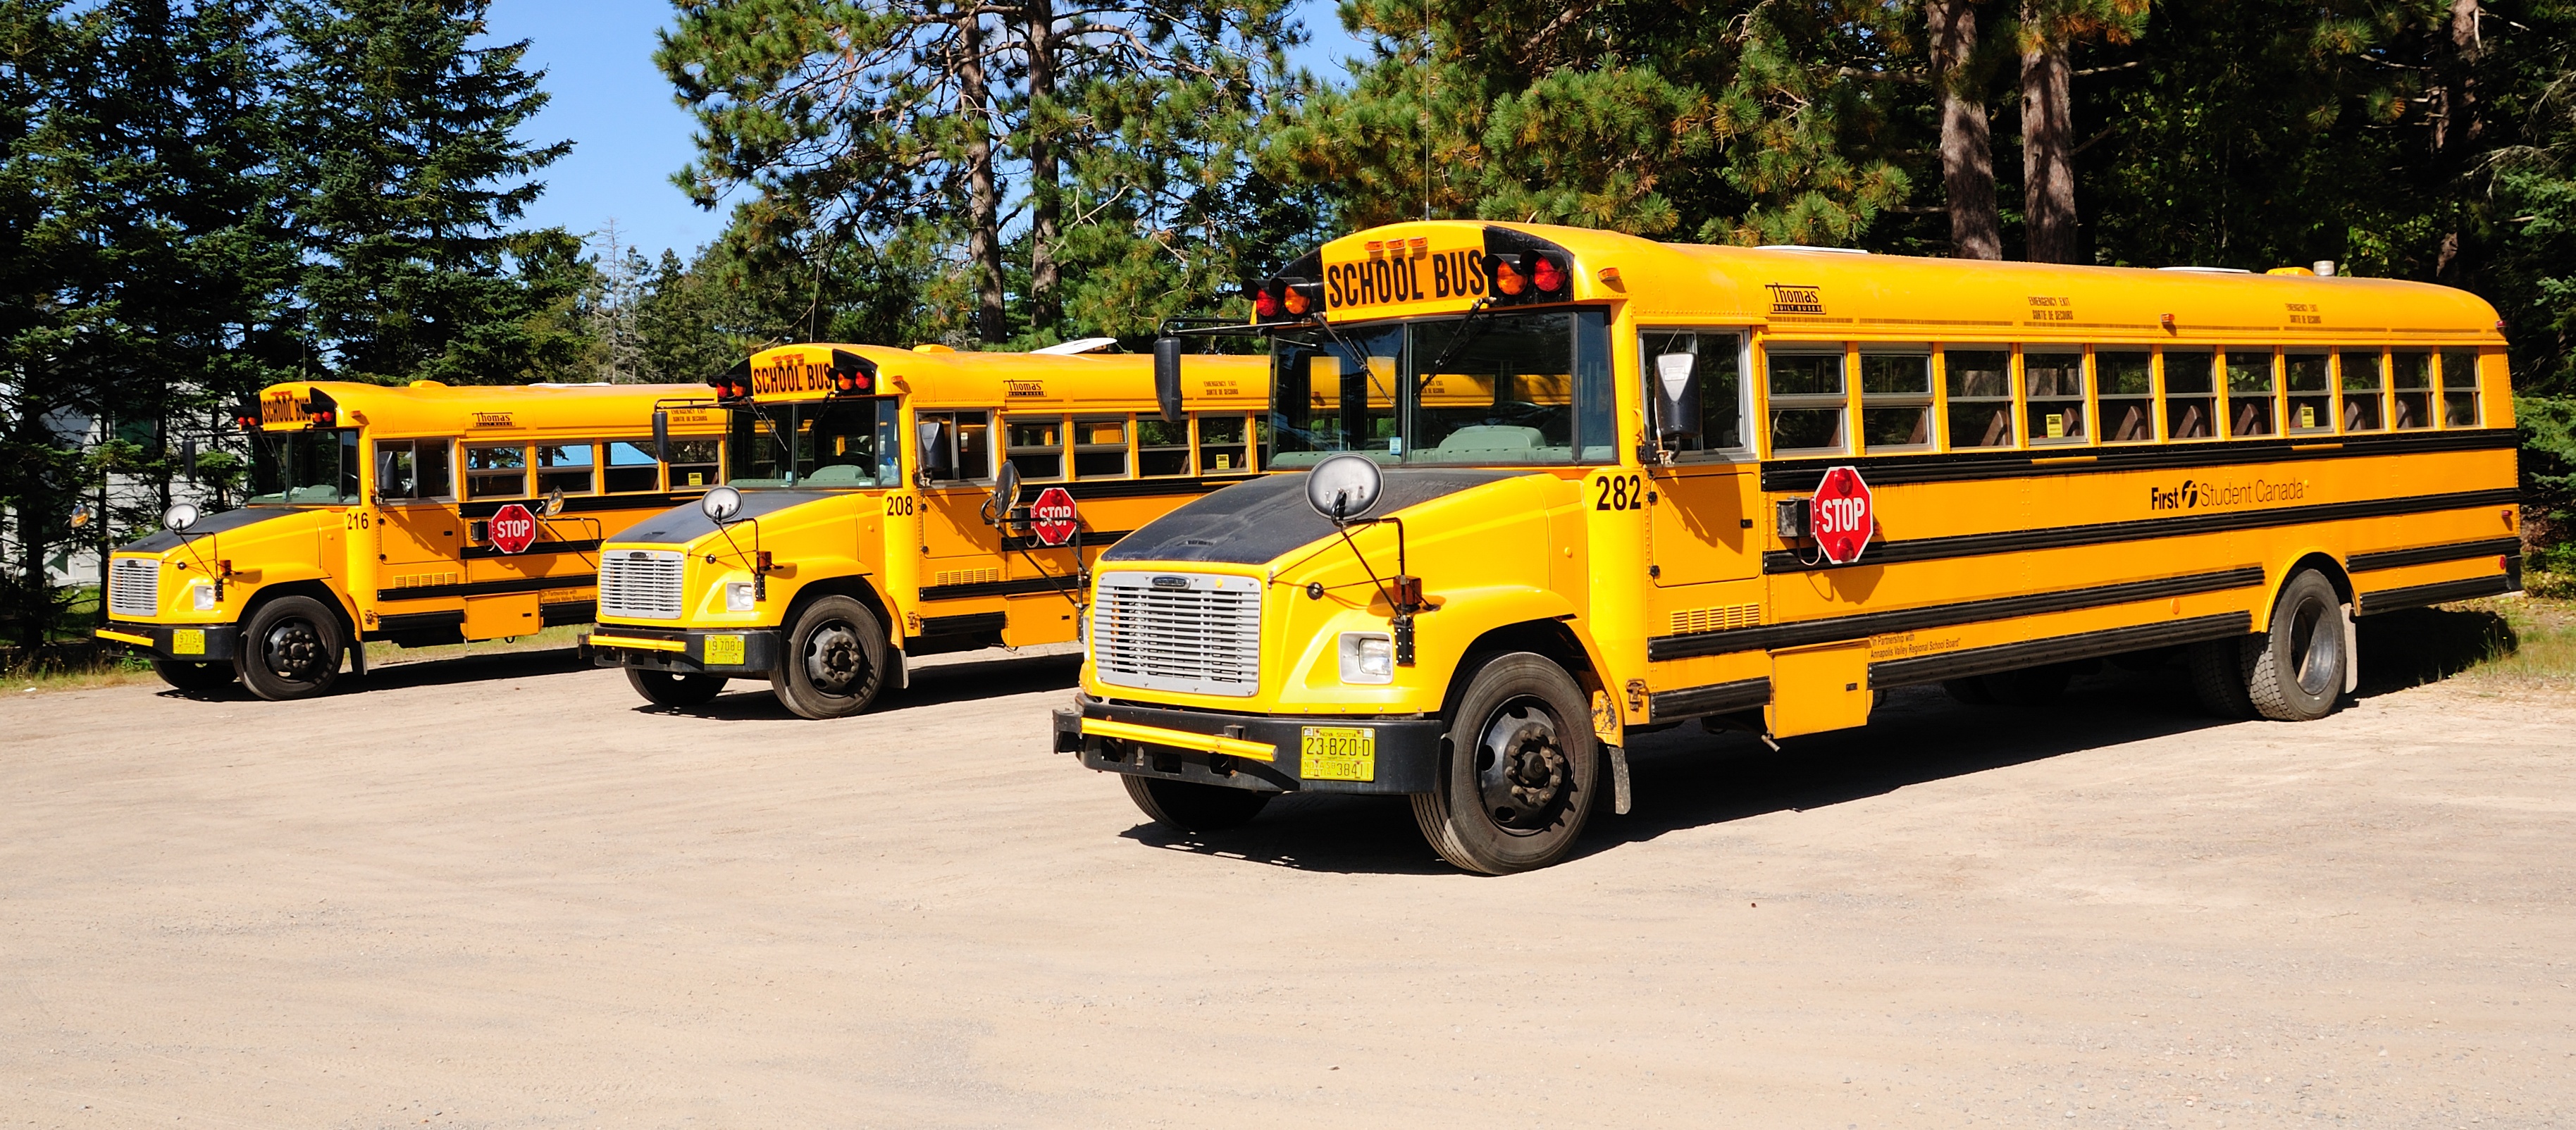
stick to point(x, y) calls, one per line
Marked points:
point(955, 446)
point(1981, 396)
point(1162, 447)
point(2188, 388)
point(2459, 389)
point(694, 463)
point(566, 467)
point(1896, 400)
point(1221, 450)
point(2365, 389)
point(1806, 402)
point(2414, 389)
point(631, 469)
point(2311, 392)
point(2127, 385)
point(2055, 381)
point(1717, 363)
point(412, 469)
point(496, 472)
point(1036, 447)
point(2249, 392)
point(1100, 448)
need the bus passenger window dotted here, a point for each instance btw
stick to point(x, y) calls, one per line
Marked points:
point(1895, 401)
point(2414, 389)
point(2128, 395)
point(1221, 446)
point(2249, 393)
point(2311, 392)
point(955, 446)
point(1100, 449)
point(1162, 447)
point(1806, 402)
point(496, 472)
point(2364, 387)
point(631, 469)
point(566, 468)
point(1717, 363)
point(2056, 389)
point(1981, 409)
point(2189, 381)
point(693, 463)
point(1036, 447)
point(407, 469)
point(2459, 389)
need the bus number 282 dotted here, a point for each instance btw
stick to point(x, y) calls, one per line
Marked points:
point(1620, 492)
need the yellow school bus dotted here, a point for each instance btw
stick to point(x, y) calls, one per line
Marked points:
point(1568, 486)
point(880, 505)
point(420, 515)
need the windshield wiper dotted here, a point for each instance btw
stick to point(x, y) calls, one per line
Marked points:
point(1466, 333)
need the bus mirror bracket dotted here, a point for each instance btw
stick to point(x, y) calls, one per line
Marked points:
point(1677, 400)
point(662, 435)
point(1167, 377)
point(930, 437)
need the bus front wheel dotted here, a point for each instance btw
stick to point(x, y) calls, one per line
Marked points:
point(835, 661)
point(663, 688)
point(1519, 773)
point(195, 678)
point(1191, 807)
point(292, 649)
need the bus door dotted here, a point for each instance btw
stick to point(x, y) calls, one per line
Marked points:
point(1700, 517)
point(417, 535)
point(959, 547)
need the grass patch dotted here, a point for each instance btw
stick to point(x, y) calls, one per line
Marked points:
point(120, 672)
point(131, 671)
point(2537, 648)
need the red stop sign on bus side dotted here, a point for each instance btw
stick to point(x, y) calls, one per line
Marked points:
point(513, 529)
point(1839, 514)
point(1052, 517)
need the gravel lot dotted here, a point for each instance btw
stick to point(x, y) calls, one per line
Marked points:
point(500, 892)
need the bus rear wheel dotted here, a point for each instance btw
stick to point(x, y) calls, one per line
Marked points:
point(291, 650)
point(195, 678)
point(664, 688)
point(2295, 672)
point(1191, 807)
point(1520, 771)
point(835, 662)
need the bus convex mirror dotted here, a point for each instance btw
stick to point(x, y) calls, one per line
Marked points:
point(554, 502)
point(1006, 495)
point(80, 516)
point(720, 504)
point(178, 518)
point(1344, 486)
point(661, 436)
point(1167, 377)
point(1676, 395)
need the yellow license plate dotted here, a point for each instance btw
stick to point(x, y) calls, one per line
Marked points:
point(1337, 753)
point(724, 650)
point(187, 641)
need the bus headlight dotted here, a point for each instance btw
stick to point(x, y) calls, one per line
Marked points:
point(1368, 657)
point(738, 596)
point(203, 596)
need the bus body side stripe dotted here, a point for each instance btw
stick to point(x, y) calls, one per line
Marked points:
point(492, 588)
point(1796, 633)
point(1802, 475)
point(2142, 529)
point(2428, 554)
point(2056, 649)
point(2416, 596)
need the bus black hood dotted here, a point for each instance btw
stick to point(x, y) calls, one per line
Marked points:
point(680, 525)
point(1260, 520)
point(216, 523)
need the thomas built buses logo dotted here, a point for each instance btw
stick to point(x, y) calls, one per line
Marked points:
point(1790, 298)
point(2196, 495)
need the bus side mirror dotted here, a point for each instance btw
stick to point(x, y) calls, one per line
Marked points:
point(1676, 395)
point(661, 436)
point(1006, 496)
point(188, 458)
point(1167, 377)
point(937, 462)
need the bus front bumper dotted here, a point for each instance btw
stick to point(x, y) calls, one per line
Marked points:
point(741, 653)
point(1261, 752)
point(194, 643)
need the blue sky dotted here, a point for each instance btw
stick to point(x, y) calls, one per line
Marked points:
point(628, 137)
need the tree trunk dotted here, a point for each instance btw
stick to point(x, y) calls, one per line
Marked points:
point(1967, 147)
point(2457, 124)
point(983, 197)
point(1046, 203)
point(2047, 147)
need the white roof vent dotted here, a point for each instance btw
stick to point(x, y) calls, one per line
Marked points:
point(1078, 345)
point(2209, 270)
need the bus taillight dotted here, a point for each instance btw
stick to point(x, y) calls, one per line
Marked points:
point(1547, 276)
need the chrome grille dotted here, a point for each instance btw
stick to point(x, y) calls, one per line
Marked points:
point(640, 584)
point(134, 587)
point(1193, 632)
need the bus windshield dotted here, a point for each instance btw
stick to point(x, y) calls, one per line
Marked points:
point(829, 443)
point(305, 468)
point(1479, 389)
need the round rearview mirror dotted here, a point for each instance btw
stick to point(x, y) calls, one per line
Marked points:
point(554, 502)
point(81, 515)
point(1006, 494)
point(178, 518)
point(721, 504)
point(1344, 486)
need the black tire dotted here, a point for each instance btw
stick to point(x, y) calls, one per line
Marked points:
point(292, 649)
point(1192, 807)
point(1971, 690)
point(2295, 671)
point(1520, 770)
point(2218, 676)
point(196, 678)
point(835, 661)
point(2029, 686)
point(664, 688)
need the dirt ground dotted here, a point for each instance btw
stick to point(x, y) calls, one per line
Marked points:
point(500, 892)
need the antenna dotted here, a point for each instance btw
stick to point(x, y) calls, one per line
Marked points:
point(1427, 44)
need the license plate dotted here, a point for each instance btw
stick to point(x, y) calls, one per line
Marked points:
point(187, 641)
point(726, 650)
point(1337, 753)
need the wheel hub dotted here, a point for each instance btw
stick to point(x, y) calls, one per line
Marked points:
point(295, 651)
point(2316, 648)
point(833, 658)
point(1521, 768)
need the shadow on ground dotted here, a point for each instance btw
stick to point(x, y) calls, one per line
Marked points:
point(425, 673)
point(1003, 674)
point(2416, 646)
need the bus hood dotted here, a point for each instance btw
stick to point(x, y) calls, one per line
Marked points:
point(1264, 519)
point(217, 523)
point(683, 524)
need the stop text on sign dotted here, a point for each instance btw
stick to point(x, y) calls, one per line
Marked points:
point(513, 529)
point(1840, 515)
point(1052, 516)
